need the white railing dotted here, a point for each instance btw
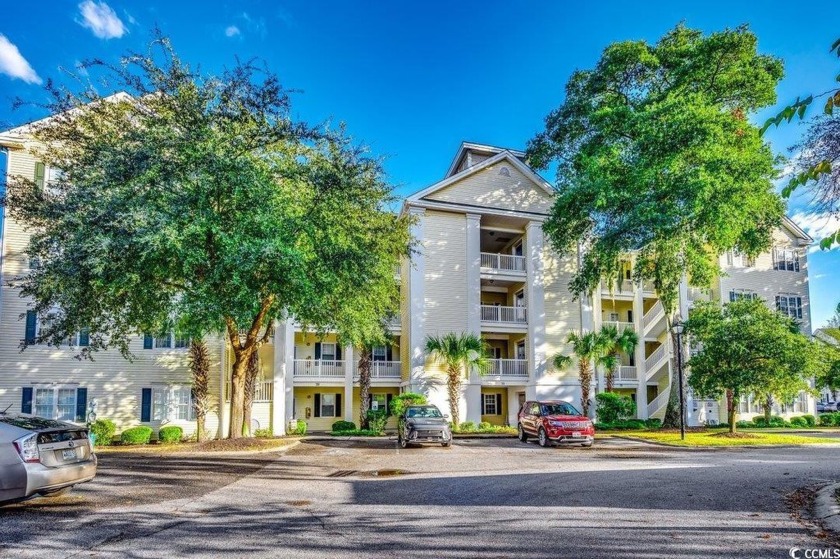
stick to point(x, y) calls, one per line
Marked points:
point(492, 313)
point(508, 368)
point(626, 373)
point(318, 368)
point(503, 262)
point(657, 403)
point(620, 326)
point(384, 369)
point(652, 314)
point(623, 287)
point(698, 294)
point(655, 357)
point(263, 391)
point(647, 287)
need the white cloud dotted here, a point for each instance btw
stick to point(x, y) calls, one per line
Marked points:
point(232, 31)
point(817, 225)
point(101, 20)
point(13, 64)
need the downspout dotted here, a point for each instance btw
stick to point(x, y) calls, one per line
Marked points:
point(4, 152)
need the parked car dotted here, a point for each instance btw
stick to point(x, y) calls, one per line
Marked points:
point(423, 424)
point(42, 456)
point(826, 407)
point(554, 421)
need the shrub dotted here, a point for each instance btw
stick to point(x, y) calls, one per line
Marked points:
point(653, 423)
point(343, 426)
point(744, 424)
point(136, 435)
point(103, 430)
point(828, 419)
point(264, 433)
point(485, 426)
point(376, 421)
point(467, 427)
point(357, 433)
point(300, 429)
point(798, 422)
point(759, 421)
point(400, 401)
point(170, 434)
point(810, 420)
point(612, 407)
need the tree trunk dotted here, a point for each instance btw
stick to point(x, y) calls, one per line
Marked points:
point(585, 375)
point(609, 380)
point(671, 419)
point(251, 373)
point(768, 408)
point(237, 393)
point(730, 410)
point(454, 388)
point(364, 386)
point(200, 372)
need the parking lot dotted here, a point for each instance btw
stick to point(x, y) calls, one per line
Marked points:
point(481, 498)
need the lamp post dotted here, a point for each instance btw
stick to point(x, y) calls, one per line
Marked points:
point(677, 329)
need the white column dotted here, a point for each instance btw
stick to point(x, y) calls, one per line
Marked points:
point(471, 401)
point(278, 401)
point(417, 305)
point(639, 354)
point(535, 300)
point(349, 371)
point(288, 393)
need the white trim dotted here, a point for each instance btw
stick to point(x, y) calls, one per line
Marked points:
point(470, 146)
point(791, 226)
point(454, 207)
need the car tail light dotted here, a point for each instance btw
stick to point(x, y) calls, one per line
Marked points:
point(27, 447)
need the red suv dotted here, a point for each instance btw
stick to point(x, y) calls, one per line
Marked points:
point(554, 421)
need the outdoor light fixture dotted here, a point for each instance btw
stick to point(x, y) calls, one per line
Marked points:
point(677, 328)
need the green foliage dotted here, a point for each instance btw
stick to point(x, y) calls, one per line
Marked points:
point(300, 428)
point(810, 420)
point(590, 348)
point(357, 433)
point(467, 427)
point(199, 364)
point(775, 421)
point(798, 422)
point(484, 426)
point(377, 420)
point(657, 154)
point(170, 434)
point(136, 435)
point(266, 433)
point(830, 419)
point(344, 426)
point(615, 344)
point(104, 430)
point(401, 401)
point(653, 423)
point(623, 425)
point(459, 354)
point(744, 424)
point(614, 408)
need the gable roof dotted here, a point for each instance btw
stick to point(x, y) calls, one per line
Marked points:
point(478, 148)
point(828, 335)
point(791, 226)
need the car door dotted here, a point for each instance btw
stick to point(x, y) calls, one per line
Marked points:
point(532, 415)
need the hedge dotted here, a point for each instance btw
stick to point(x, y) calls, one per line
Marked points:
point(170, 434)
point(341, 425)
point(136, 435)
point(103, 430)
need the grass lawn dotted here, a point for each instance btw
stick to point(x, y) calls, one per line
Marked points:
point(721, 438)
point(222, 445)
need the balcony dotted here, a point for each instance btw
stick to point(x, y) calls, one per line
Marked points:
point(699, 294)
point(620, 326)
point(497, 314)
point(318, 368)
point(626, 374)
point(383, 370)
point(619, 288)
point(503, 369)
point(502, 263)
point(263, 391)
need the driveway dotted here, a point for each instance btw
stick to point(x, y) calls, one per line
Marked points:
point(481, 498)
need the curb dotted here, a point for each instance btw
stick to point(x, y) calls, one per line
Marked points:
point(827, 508)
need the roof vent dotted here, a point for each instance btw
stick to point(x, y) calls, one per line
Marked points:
point(504, 171)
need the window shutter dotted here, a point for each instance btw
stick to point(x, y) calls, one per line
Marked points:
point(31, 323)
point(81, 405)
point(498, 404)
point(799, 307)
point(388, 398)
point(26, 400)
point(317, 405)
point(40, 173)
point(337, 405)
point(796, 261)
point(146, 405)
point(778, 303)
point(731, 296)
point(337, 352)
point(147, 341)
point(389, 353)
point(84, 337)
point(317, 350)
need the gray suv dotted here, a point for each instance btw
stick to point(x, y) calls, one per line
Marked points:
point(42, 456)
point(423, 424)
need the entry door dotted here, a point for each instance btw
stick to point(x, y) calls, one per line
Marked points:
point(519, 303)
point(520, 350)
point(520, 398)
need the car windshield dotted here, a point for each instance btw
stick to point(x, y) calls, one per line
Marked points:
point(32, 423)
point(423, 412)
point(559, 408)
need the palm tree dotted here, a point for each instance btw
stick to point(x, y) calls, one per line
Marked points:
point(459, 354)
point(590, 349)
point(616, 344)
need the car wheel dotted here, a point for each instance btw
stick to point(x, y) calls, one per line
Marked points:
point(446, 444)
point(586, 445)
point(542, 436)
point(55, 492)
point(403, 441)
point(520, 432)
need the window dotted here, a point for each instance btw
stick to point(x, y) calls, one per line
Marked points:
point(327, 352)
point(491, 404)
point(160, 403)
point(378, 402)
point(520, 350)
point(790, 305)
point(738, 294)
point(54, 402)
point(614, 317)
point(183, 403)
point(165, 341)
point(181, 342)
point(380, 353)
point(172, 402)
point(327, 405)
point(785, 259)
point(496, 352)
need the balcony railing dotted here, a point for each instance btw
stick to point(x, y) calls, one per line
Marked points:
point(652, 315)
point(699, 294)
point(620, 326)
point(493, 313)
point(263, 391)
point(508, 368)
point(383, 369)
point(318, 368)
point(655, 357)
point(620, 287)
point(502, 262)
point(626, 373)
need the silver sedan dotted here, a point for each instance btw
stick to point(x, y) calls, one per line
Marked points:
point(42, 456)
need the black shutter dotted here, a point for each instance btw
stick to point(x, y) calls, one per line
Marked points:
point(389, 353)
point(731, 296)
point(499, 404)
point(778, 303)
point(629, 316)
point(317, 400)
point(81, 404)
point(147, 341)
point(317, 350)
point(146, 405)
point(337, 352)
point(337, 405)
point(388, 398)
point(26, 400)
point(84, 337)
point(31, 323)
point(799, 307)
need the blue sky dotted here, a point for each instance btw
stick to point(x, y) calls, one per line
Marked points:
point(412, 80)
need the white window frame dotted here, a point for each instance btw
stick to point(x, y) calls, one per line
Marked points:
point(786, 259)
point(167, 405)
point(174, 341)
point(521, 344)
point(334, 351)
point(55, 389)
point(787, 299)
point(325, 405)
point(377, 353)
point(50, 181)
point(380, 399)
point(737, 294)
point(488, 405)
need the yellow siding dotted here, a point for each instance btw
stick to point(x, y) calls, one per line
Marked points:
point(445, 249)
point(498, 419)
point(562, 314)
point(305, 400)
point(357, 404)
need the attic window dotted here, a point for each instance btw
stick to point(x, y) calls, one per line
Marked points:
point(504, 171)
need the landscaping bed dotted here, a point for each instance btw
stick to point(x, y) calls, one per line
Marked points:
point(720, 438)
point(245, 444)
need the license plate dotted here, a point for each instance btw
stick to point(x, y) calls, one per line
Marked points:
point(576, 434)
point(68, 454)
